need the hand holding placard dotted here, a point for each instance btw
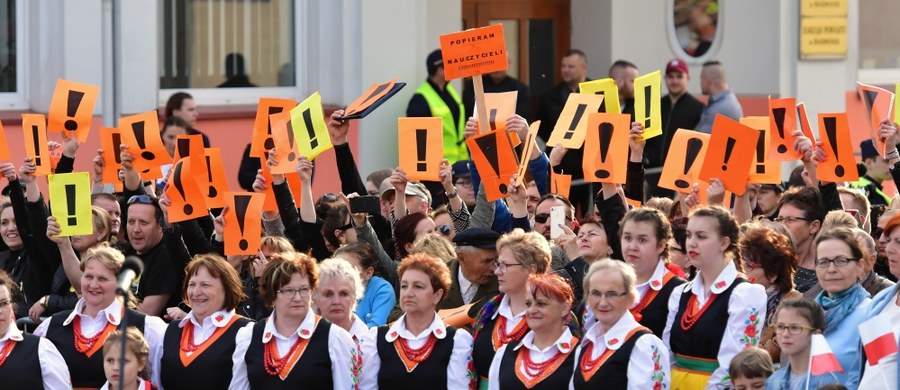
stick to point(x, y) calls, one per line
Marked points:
point(684, 160)
point(730, 153)
point(496, 161)
point(308, 122)
point(839, 163)
point(34, 128)
point(647, 98)
point(70, 202)
point(72, 108)
point(572, 124)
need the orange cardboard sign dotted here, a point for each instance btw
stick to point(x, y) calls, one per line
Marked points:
point(141, 133)
point(840, 163)
point(878, 103)
point(72, 108)
point(285, 146)
point(187, 145)
point(34, 127)
point(110, 139)
point(572, 124)
point(765, 169)
point(647, 103)
point(730, 153)
point(4, 145)
point(500, 106)
point(243, 223)
point(608, 89)
point(530, 139)
point(606, 148)
point(683, 161)
point(261, 140)
point(473, 52)
point(782, 123)
point(213, 183)
point(182, 190)
point(496, 161)
point(560, 184)
point(367, 99)
point(421, 146)
point(804, 122)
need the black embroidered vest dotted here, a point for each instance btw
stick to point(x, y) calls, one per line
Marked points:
point(704, 338)
point(431, 373)
point(312, 371)
point(211, 370)
point(22, 368)
point(654, 316)
point(613, 374)
point(559, 379)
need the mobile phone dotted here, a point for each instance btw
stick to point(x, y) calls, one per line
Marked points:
point(368, 204)
point(557, 217)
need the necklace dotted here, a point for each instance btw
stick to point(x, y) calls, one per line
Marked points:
point(589, 365)
point(691, 314)
point(187, 343)
point(7, 349)
point(273, 363)
point(500, 337)
point(82, 343)
point(420, 354)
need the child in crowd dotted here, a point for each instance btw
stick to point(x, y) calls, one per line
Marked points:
point(750, 368)
point(795, 323)
point(136, 353)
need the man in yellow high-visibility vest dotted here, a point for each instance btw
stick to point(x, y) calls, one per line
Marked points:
point(877, 170)
point(437, 98)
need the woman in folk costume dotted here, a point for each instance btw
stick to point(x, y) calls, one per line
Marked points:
point(617, 351)
point(197, 350)
point(718, 313)
point(26, 361)
point(294, 348)
point(418, 349)
point(645, 237)
point(79, 334)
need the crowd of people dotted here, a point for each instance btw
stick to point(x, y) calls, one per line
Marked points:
point(444, 288)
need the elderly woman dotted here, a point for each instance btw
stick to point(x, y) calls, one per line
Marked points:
point(886, 307)
point(294, 347)
point(79, 334)
point(617, 352)
point(769, 260)
point(502, 319)
point(418, 348)
point(338, 290)
point(378, 297)
point(35, 362)
point(718, 313)
point(204, 341)
point(545, 357)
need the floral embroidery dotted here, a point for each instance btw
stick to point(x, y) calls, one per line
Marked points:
point(750, 338)
point(659, 375)
point(355, 364)
point(470, 373)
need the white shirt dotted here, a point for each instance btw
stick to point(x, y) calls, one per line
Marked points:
point(202, 331)
point(748, 301)
point(884, 374)
point(341, 348)
point(565, 344)
point(655, 282)
point(358, 328)
point(54, 371)
point(141, 385)
point(458, 375)
point(154, 329)
point(649, 352)
point(466, 288)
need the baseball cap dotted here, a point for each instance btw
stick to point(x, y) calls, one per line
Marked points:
point(434, 60)
point(418, 189)
point(386, 189)
point(461, 169)
point(778, 188)
point(867, 149)
point(677, 65)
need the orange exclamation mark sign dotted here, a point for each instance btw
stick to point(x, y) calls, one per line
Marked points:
point(72, 104)
point(830, 123)
point(694, 145)
point(179, 186)
point(241, 202)
point(70, 205)
point(488, 146)
point(212, 189)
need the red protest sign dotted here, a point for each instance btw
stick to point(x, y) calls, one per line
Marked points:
point(474, 52)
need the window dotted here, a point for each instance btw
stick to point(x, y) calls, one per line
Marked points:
point(694, 28)
point(8, 80)
point(227, 43)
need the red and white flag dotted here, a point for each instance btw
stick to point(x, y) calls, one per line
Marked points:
point(878, 339)
point(821, 359)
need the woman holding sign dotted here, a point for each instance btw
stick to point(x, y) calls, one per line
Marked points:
point(80, 333)
point(718, 313)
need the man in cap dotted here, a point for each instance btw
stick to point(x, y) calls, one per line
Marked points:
point(436, 97)
point(472, 270)
point(416, 197)
point(767, 199)
point(877, 170)
point(462, 179)
point(679, 110)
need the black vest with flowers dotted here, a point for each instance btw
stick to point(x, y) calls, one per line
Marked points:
point(705, 337)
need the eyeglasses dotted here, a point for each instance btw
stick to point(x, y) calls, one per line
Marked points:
point(789, 220)
point(291, 293)
point(142, 199)
point(609, 295)
point(444, 229)
point(792, 328)
point(463, 183)
point(502, 267)
point(838, 262)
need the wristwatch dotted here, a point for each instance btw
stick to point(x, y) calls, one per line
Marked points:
point(453, 194)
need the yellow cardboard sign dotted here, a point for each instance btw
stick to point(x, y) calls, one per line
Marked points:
point(647, 98)
point(70, 203)
point(310, 132)
point(606, 87)
point(571, 127)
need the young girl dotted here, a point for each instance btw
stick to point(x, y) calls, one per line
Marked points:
point(795, 322)
point(136, 353)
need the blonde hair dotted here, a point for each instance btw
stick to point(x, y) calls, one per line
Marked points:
point(839, 218)
point(108, 256)
point(436, 245)
point(531, 249)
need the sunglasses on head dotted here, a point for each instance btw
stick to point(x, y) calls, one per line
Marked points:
point(141, 199)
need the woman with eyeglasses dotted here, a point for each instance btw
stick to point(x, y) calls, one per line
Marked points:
point(617, 351)
point(843, 298)
point(545, 357)
point(204, 341)
point(26, 361)
point(769, 260)
point(418, 349)
point(378, 297)
point(718, 313)
point(79, 333)
point(645, 235)
point(294, 347)
point(795, 323)
point(502, 319)
point(886, 305)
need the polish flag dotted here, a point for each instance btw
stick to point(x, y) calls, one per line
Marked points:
point(878, 339)
point(821, 359)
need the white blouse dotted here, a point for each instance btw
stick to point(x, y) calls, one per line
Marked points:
point(648, 365)
point(54, 371)
point(358, 329)
point(142, 384)
point(746, 316)
point(341, 348)
point(564, 344)
point(458, 375)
